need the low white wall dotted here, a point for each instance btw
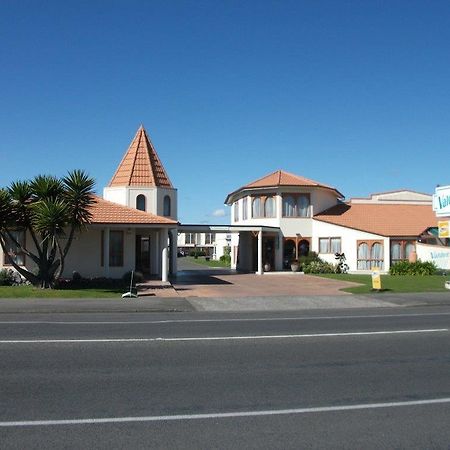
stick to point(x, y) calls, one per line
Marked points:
point(438, 254)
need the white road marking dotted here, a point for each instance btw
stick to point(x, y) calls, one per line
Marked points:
point(218, 338)
point(276, 412)
point(260, 319)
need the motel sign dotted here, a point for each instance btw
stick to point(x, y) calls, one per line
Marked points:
point(441, 201)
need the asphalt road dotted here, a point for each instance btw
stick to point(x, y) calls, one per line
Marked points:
point(329, 379)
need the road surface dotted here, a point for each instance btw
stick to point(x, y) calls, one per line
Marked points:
point(328, 379)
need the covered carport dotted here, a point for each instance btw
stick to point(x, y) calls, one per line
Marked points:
point(252, 246)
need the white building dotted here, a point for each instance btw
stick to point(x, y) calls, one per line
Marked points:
point(212, 244)
point(133, 227)
point(310, 216)
point(274, 219)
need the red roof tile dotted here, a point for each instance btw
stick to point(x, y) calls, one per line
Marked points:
point(104, 211)
point(141, 165)
point(282, 178)
point(383, 219)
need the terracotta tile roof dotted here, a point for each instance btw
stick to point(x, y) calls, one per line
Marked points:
point(104, 211)
point(141, 165)
point(382, 219)
point(282, 178)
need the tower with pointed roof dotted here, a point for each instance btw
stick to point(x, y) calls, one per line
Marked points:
point(141, 181)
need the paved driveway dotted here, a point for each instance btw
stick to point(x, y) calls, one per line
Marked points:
point(198, 281)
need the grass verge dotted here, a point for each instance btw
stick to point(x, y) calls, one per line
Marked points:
point(393, 284)
point(32, 292)
point(211, 263)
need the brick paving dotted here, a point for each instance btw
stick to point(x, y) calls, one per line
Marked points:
point(227, 284)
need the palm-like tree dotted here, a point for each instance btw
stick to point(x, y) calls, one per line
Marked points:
point(50, 210)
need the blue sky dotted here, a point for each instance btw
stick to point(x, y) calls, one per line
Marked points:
point(354, 94)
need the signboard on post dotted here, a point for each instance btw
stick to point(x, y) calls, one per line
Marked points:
point(443, 227)
point(441, 201)
point(376, 278)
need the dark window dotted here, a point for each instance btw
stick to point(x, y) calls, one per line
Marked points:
point(167, 211)
point(116, 248)
point(140, 202)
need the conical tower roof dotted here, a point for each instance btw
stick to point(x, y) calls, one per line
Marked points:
point(141, 165)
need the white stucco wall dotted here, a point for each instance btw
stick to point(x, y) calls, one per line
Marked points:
point(349, 238)
point(116, 194)
point(154, 198)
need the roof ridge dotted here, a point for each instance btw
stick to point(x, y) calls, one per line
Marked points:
point(141, 165)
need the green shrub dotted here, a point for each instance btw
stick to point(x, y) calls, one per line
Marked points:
point(6, 277)
point(226, 259)
point(319, 267)
point(413, 268)
point(305, 260)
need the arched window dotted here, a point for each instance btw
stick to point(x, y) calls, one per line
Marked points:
point(376, 255)
point(166, 206)
point(256, 207)
point(363, 256)
point(269, 207)
point(244, 208)
point(409, 248)
point(236, 211)
point(140, 202)
point(303, 248)
point(396, 251)
point(288, 206)
point(303, 206)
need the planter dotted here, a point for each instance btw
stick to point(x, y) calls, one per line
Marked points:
point(267, 267)
point(295, 267)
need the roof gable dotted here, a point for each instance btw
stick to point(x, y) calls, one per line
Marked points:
point(141, 165)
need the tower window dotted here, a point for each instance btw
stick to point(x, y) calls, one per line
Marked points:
point(167, 206)
point(140, 202)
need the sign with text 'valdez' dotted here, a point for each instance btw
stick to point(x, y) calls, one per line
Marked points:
point(441, 201)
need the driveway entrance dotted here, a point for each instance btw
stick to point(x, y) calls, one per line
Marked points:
point(194, 280)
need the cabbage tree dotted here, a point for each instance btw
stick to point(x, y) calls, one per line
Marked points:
point(49, 210)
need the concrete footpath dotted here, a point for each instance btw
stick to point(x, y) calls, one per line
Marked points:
point(230, 304)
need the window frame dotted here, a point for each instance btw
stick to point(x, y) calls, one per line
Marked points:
point(167, 206)
point(245, 208)
point(120, 256)
point(140, 198)
point(296, 199)
point(22, 241)
point(369, 261)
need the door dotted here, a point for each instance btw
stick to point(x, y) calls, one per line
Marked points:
point(143, 254)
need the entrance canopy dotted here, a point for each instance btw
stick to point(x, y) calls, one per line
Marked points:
point(255, 230)
point(205, 228)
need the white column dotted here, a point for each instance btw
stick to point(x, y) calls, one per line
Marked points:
point(260, 248)
point(174, 250)
point(106, 252)
point(164, 255)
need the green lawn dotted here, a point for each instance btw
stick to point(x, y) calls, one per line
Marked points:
point(393, 284)
point(202, 261)
point(30, 292)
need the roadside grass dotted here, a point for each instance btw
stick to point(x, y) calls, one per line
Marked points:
point(32, 292)
point(393, 284)
point(202, 262)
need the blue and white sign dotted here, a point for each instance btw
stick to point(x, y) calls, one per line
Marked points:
point(441, 201)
